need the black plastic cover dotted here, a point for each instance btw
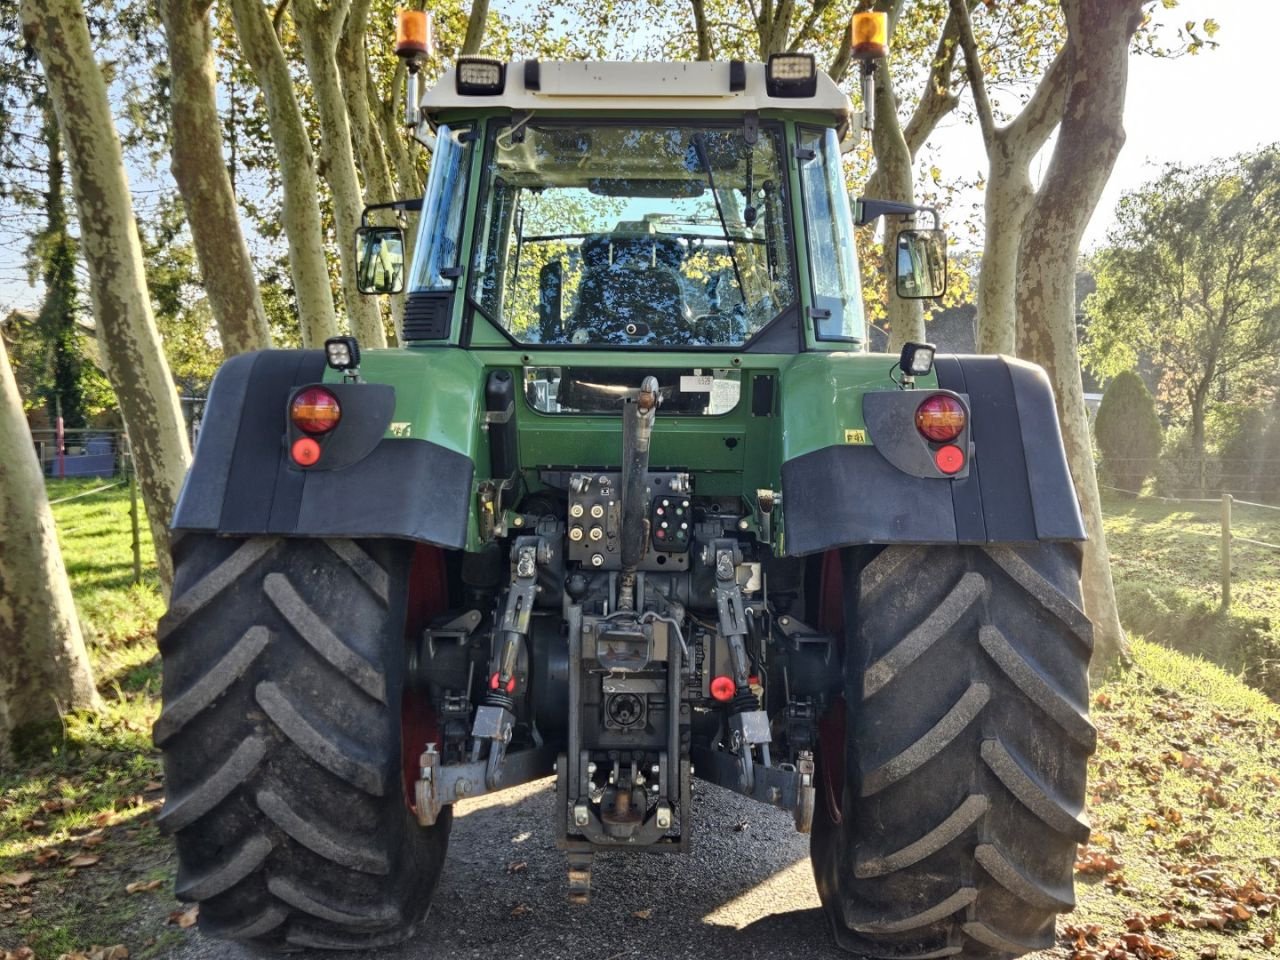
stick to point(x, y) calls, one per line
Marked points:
point(243, 482)
point(1018, 489)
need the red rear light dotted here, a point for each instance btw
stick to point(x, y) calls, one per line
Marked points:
point(940, 418)
point(315, 410)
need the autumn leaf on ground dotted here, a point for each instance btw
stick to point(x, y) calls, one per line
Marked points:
point(644, 914)
point(143, 886)
point(16, 880)
point(1095, 863)
point(83, 860)
point(521, 910)
point(186, 917)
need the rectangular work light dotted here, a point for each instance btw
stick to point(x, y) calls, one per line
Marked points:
point(791, 75)
point(917, 359)
point(342, 353)
point(480, 77)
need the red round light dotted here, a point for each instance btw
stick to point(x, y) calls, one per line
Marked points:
point(315, 410)
point(950, 459)
point(941, 418)
point(305, 451)
point(723, 689)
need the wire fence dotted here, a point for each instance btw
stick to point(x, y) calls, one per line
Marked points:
point(1226, 535)
point(1247, 479)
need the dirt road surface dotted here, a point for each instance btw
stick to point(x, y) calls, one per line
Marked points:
point(745, 891)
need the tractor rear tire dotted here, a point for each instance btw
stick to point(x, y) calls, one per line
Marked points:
point(961, 798)
point(283, 670)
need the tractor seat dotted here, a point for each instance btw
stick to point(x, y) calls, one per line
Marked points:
point(629, 303)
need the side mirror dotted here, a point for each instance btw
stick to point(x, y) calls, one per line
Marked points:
point(922, 264)
point(381, 259)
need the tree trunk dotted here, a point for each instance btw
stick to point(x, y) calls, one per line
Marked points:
point(1090, 138)
point(1008, 198)
point(60, 310)
point(205, 185)
point(307, 264)
point(905, 318)
point(318, 30)
point(58, 32)
point(44, 669)
point(1009, 194)
point(371, 154)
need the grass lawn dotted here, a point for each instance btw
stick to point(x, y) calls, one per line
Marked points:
point(1166, 564)
point(76, 825)
point(1184, 860)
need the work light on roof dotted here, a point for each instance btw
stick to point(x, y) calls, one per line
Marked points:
point(791, 75)
point(480, 76)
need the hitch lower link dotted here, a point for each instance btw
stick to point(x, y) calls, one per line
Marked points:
point(495, 718)
point(748, 724)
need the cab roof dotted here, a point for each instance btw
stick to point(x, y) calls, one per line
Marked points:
point(567, 86)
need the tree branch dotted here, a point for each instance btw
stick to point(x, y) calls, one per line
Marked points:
point(1043, 111)
point(277, 16)
point(476, 21)
point(700, 28)
point(937, 100)
point(806, 30)
point(973, 67)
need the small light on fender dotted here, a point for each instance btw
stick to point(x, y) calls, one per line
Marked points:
point(306, 452)
point(950, 459)
point(723, 689)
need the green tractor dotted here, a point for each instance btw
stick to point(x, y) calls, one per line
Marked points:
point(631, 505)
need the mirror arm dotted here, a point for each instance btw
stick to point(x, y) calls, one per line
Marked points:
point(869, 210)
point(400, 206)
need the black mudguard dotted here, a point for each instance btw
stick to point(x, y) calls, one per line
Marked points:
point(244, 483)
point(1018, 487)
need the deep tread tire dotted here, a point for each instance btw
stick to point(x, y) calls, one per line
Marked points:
point(967, 740)
point(283, 663)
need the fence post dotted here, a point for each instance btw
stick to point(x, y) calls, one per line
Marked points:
point(133, 519)
point(1226, 551)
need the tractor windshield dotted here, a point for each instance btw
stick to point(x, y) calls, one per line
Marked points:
point(659, 235)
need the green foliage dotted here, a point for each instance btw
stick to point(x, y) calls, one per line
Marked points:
point(1191, 283)
point(1128, 432)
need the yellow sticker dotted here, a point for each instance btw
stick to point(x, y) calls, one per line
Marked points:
point(855, 436)
point(401, 428)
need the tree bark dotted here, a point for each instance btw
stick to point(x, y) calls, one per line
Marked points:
point(371, 154)
point(307, 264)
point(1009, 194)
point(44, 668)
point(1090, 138)
point(476, 21)
point(319, 29)
point(905, 318)
point(58, 32)
point(225, 267)
point(700, 28)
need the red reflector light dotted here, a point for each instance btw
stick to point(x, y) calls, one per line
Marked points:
point(305, 451)
point(723, 689)
point(950, 459)
point(315, 410)
point(940, 418)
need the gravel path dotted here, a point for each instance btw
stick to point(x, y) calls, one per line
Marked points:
point(744, 891)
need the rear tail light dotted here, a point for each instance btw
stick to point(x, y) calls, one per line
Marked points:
point(315, 410)
point(940, 418)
